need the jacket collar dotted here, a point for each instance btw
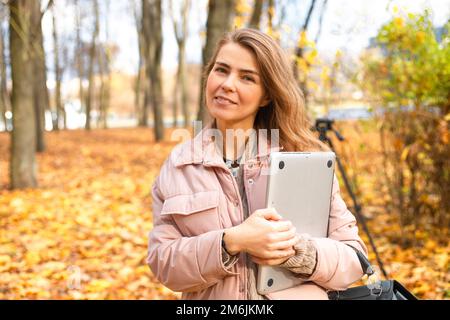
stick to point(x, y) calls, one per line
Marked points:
point(203, 150)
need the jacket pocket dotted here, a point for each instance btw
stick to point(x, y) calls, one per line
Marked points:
point(195, 213)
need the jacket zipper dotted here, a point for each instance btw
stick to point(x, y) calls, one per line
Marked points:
point(241, 209)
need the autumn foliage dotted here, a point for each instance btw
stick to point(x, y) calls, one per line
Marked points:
point(83, 233)
point(407, 79)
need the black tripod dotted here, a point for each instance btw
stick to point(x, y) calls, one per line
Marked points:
point(322, 126)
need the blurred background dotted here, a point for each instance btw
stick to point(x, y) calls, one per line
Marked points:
point(91, 92)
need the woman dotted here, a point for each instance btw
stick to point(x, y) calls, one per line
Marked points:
point(211, 227)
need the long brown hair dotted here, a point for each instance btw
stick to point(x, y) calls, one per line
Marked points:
point(286, 110)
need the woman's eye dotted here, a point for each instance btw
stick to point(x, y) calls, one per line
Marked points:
point(248, 78)
point(221, 70)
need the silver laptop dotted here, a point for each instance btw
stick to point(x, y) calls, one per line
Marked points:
point(299, 187)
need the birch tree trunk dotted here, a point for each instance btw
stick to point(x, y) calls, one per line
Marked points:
point(60, 112)
point(180, 89)
point(105, 74)
point(79, 55)
point(5, 104)
point(104, 57)
point(92, 51)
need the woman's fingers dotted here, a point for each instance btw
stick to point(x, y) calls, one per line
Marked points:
point(279, 254)
point(263, 261)
point(269, 261)
point(268, 214)
point(283, 235)
point(281, 226)
point(271, 253)
point(260, 260)
point(286, 244)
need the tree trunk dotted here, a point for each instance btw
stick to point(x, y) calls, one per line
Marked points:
point(101, 101)
point(4, 97)
point(79, 56)
point(220, 18)
point(322, 13)
point(152, 23)
point(255, 20)
point(41, 96)
point(105, 74)
point(145, 108)
point(270, 14)
point(23, 147)
point(92, 50)
point(180, 88)
point(299, 52)
point(140, 78)
point(176, 89)
point(138, 97)
point(184, 88)
point(60, 112)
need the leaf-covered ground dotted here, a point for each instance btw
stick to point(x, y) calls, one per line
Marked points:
point(83, 233)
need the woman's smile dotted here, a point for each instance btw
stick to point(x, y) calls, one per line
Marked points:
point(224, 101)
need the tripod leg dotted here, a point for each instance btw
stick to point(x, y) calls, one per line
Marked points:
point(358, 210)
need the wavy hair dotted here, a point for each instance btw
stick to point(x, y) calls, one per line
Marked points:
point(286, 109)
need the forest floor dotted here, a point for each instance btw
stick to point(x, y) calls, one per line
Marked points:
point(83, 233)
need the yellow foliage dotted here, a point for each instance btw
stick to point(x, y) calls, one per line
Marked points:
point(87, 224)
point(242, 7)
point(311, 56)
point(271, 11)
point(302, 41)
point(398, 21)
point(303, 66)
point(442, 260)
point(405, 153)
point(312, 85)
point(98, 285)
point(32, 258)
point(325, 74)
point(5, 263)
point(84, 234)
point(447, 117)
point(420, 36)
point(239, 22)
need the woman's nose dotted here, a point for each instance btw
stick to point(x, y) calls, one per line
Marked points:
point(228, 84)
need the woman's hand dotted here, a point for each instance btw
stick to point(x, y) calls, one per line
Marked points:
point(263, 235)
point(269, 262)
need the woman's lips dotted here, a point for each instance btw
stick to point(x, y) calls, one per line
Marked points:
point(223, 101)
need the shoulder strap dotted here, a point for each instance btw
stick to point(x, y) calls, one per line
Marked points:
point(365, 263)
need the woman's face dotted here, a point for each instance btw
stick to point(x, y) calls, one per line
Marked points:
point(234, 90)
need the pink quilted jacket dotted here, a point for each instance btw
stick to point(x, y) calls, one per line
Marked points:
point(195, 198)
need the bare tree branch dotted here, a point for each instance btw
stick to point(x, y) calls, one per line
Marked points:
point(49, 5)
point(322, 13)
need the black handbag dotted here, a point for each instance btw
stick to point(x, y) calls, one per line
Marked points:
point(380, 290)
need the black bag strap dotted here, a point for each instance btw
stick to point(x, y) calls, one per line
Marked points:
point(387, 290)
point(366, 266)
